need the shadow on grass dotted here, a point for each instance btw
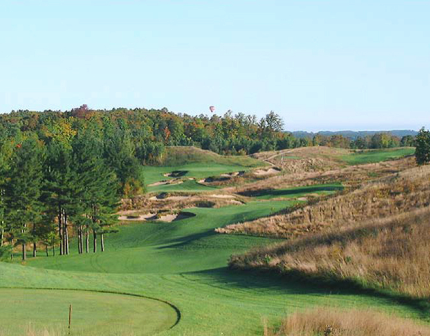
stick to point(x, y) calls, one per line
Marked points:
point(292, 192)
point(297, 283)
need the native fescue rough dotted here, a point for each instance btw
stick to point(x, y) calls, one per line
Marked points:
point(389, 253)
point(401, 192)
point(334, 322)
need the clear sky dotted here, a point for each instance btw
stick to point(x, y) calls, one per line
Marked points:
point(322, 65)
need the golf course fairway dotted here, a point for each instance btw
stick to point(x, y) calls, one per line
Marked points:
point(183, 263)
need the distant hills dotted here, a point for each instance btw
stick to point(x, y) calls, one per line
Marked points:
point(353, 134)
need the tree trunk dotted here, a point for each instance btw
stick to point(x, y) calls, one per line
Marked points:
point(66, 235)
point(47, 254)
point(1, 236)
point(87, 241)
point(94, 241)
point(24, 247)
point(102, 242)
point(24, 252)
point(60, 229)
point(82, 240)
point(53, 250)
point(79, 240)
point(11, 252)
point(34, 250)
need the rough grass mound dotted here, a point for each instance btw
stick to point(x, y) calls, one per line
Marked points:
point(331, 322)
point(181, 155)
point(401, 192)
point(391, 253)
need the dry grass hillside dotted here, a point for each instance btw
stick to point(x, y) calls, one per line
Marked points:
point(305, 159)
point(389, 253)
point(401, 192)
point(346, 323)
point(349, 176)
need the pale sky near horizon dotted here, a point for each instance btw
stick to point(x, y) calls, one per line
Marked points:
point(321, 65)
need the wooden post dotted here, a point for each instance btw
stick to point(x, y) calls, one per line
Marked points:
point(70, 317)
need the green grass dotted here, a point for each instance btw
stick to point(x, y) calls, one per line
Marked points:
point(187, 186)
point(194, 170)
point(49, 310)
point(180, 155)
point(184, 263)
point(376, 155)
point(319, 189)
point(195, 163)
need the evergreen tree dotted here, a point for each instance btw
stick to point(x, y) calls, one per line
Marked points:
point(62, 184)
point(23, 189)
point(422, 152)
point(97, 201)
point(120, 155)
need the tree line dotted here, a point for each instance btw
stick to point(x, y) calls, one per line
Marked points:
point(63, 172)
point(377, 141)
point(52, 185)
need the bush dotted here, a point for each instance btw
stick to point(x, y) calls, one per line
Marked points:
point(422, 153)
point(5, 253)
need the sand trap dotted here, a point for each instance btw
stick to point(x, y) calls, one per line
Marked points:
point(153, 217)
point(262, 172)
point(172, 182)
point(230, 174)
point(174, 217)
point(221, 196)
point(302, 199)
point(148, 216)
point(171, 198)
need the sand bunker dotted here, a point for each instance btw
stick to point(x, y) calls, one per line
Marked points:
point(239, 173)
point(176, 173)
point(172, 182)
point(148, 216)
point(221, 196)
point(170, 198)
point(263, 172)
point(154, 217)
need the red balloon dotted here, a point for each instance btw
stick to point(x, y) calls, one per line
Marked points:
point(212, 108)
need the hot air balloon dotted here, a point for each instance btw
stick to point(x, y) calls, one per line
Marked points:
point(212, 109)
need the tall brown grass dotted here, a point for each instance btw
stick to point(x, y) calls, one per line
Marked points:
point(332, 322)
point(391, 253)
point(401, 192)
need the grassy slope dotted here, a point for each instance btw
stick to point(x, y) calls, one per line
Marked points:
point(185, 264)
point(198, 164)
point(377, 155)
point(319, 189)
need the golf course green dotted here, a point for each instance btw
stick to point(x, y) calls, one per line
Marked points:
point(183, 264)
point(47, 310)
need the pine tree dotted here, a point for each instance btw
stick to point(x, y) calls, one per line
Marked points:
point(120, 156)
point(61, 187)
point(23, 189)
point(422, 152)
point(97, 201)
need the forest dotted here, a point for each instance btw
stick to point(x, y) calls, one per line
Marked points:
point(63, 168)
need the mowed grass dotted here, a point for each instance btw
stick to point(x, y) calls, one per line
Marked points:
point(186, 186)
point(92, 313)
point(198, 170)
point(319, 189)
point(197, 164)
point(377, 155)
point(185, 263)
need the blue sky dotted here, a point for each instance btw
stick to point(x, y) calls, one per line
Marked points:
point(322, 65)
